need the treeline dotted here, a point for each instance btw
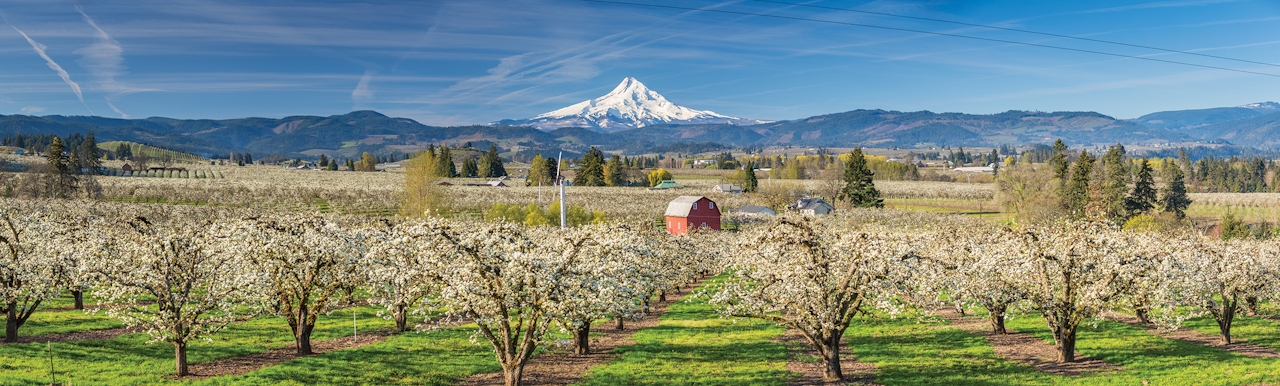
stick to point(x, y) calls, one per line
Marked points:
point(1111, 187)
point(69, 172)
point(442, 163)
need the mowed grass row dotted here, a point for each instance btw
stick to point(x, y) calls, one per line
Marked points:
point(128, 359)
point(907, 351)
point(692, 345)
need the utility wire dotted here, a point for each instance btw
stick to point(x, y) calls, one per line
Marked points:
point(1017, 30)
point(929, 33)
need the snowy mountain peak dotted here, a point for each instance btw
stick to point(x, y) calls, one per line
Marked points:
point(630, 105)
point(1262, 106)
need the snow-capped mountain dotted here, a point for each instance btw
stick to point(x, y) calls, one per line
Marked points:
point(1262, 106)
point(628, 106)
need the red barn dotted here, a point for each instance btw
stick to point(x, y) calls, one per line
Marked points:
point(692, 212)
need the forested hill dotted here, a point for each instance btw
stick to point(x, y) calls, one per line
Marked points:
point(350, 134)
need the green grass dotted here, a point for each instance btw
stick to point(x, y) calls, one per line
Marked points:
point(128, 360)
point(60, 322)
point(435, 358)
point(692, 345)
point(908, 352)
point(1258, 331)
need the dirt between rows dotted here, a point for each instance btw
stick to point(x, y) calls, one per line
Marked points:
point(560, 367)
point(1025, 348)
point(1197, 337)
point(245, 364)
point(811, 372)
point(110, 333)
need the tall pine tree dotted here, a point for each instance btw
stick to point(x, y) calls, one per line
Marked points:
point(749, 182)
point(614, 172)
point(1075, 195)
point(591, 171)
point(1115, 182)
point(1143, 196)
point(61, 179)
point(859, 190)
point(1059, 162)
point(469, 168)
point(1173, 196)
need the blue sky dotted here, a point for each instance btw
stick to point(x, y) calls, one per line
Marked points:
point(465, 62)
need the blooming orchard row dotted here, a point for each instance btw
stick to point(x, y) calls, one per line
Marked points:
point(185, 273)
point(815, 276)
point(182, 273)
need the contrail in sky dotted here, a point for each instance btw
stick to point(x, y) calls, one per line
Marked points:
point(40, 49)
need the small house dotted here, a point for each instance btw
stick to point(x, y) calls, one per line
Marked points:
point(813, 207)
point(692, 212)
point(127, 168)
point(756, 210)
point(727, 188)
point(667, 184)
point(497, 184)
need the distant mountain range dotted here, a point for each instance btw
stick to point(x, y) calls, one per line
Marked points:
point(630, 105)
point(348, 135)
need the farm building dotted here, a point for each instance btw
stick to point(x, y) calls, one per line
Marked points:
point(497, 184)
point(813, 207)
point(692, 212)
point(127, 168)
point(667, 184)
point(756, 210)
point(727, 188)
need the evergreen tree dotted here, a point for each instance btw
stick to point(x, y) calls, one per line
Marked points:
point(89, 155)
point(614, 172)
point(1173, 196)
point(61, 179)
point(333, 166)
point(1059, 162)
point(1075, 195)
point(469, 168)
point(445, 161)
point(1115, 181)
point(749, 182)
point(1143, 196)
point(591, 171)
point(324, 161)
point(248, 158)
point(124, 152)
point(491, 163)
point(859, 190)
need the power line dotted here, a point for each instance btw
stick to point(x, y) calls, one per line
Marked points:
point(931, 33)
point(1017, 30)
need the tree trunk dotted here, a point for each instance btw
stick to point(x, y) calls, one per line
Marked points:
point(662, 297)
point(1143, 314)
point(302, 331)
point(79, 296)
point(582, 339)
point(1224, 320)
point(11, 324)
point(960, 309)
point(401, 316)
point(511, 375)
point(618, 323)
point(180, 358)
point(1066, 338)
point(832, 360)
point(1251, 302)
point(997, 319)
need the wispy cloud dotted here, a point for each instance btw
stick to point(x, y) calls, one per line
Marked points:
point(362, 91)
point(1153, 5)
point(105, 60)
point(40, 50)
point(32, 110)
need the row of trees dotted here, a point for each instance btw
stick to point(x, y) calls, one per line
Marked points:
point(816, 276)
point(514, 283)
point(1113, 187)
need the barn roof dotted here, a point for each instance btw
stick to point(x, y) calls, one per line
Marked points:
point(681, 206)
